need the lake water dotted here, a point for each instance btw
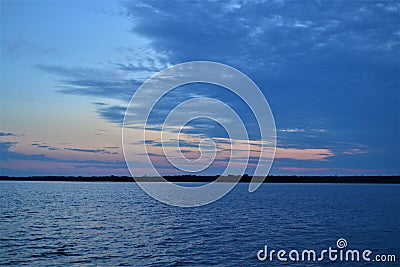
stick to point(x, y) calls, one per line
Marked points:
point(117, 224)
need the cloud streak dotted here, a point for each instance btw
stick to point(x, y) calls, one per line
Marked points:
point(7, 134)
point(95, 151)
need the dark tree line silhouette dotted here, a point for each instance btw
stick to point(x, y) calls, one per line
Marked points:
point(395, 179)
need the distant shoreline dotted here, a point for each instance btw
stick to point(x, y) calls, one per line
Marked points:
point(187, 178)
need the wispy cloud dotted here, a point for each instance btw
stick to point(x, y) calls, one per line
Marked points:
point(16, 163)
point(44, 145)
point(7, 134)
point(95, 82)
point(111, 147)
point(355, 151)
point(99, 151)
point(5, 146)
point(304, 154)
point(291, 130)
point(111, 113)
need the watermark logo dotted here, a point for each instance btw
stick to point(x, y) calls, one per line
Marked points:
point(340, 253)
point(341, 243)
point(141, 136)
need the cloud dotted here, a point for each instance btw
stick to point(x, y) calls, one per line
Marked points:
point(116, 79)
point(44, 145)
point(303, 154)
point(356, 151)
point(286, 47)
point(111, 113)
point(7, 134)
point(268, 29)
point(96, 151)
point(291, 130)
point(5, 146)
point(93, 82)
point(6, 154)
point(15, 163)
point(111, 147)
point(329, 70)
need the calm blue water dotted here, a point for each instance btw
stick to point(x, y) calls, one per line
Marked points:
point(116, 224)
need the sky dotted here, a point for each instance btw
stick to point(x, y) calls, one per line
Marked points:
point(329, 70)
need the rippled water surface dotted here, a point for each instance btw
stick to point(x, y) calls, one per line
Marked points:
point(116, 224)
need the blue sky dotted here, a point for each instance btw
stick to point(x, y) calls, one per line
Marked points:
point(329, 70)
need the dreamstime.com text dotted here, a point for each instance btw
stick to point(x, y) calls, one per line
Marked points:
point(340, 253)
